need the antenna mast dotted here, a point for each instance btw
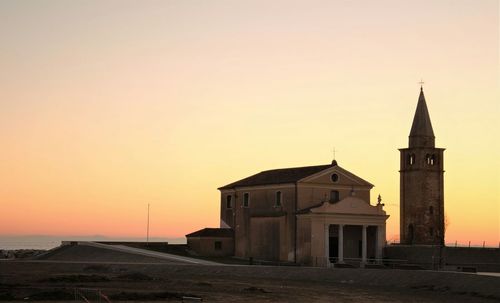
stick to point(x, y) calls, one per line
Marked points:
point(147, 231)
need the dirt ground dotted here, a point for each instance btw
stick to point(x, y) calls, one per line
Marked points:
point(49, 281)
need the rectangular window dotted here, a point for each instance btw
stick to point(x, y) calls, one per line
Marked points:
point(278, 198)
point(228, 201)
point(334, 196)
point(246, 200)
point(217, 245)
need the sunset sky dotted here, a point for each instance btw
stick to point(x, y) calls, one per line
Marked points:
point(106, 106)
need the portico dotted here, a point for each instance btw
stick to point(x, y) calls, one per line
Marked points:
point(352, 242)
point(349, 231)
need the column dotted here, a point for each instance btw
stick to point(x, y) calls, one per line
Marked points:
point(380, 241)
point(341, 243)
point(327, 245)
point(363, 250)
point(378, 254)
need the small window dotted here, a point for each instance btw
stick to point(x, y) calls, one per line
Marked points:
point(431, 159)
point(229, 203)
point(411, 159)
point(278, 198)
point(246, 200)
point(334, 196)
point(217, 245)
point(431, 231)
point(335, 178)
point(431, 210)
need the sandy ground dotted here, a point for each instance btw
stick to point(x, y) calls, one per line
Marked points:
point(148, 282)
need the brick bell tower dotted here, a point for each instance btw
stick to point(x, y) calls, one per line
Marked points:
point(421, 183)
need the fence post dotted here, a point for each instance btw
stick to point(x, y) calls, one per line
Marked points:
point(469, 244)
point(484, 243)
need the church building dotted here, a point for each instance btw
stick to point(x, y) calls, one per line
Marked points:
point(312, 215)
point(322, 215)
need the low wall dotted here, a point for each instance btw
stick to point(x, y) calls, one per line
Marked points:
point(427, 256)
point(161, 246)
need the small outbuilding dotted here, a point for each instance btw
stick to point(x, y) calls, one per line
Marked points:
point(212, 242)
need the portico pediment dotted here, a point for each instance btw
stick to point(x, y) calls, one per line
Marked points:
point(349, 205)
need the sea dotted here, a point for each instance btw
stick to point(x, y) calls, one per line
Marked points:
point(49, 242)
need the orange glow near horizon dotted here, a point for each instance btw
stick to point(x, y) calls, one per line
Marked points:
point(108, 106)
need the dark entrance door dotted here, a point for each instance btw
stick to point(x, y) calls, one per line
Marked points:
point(334, 248)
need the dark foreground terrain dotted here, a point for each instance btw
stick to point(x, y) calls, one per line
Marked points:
point(145, 282)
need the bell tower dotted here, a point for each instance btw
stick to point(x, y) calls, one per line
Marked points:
point(421, 183)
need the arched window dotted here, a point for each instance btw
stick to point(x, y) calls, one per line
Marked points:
point(431, 210)
point(278, 198)
point(334, 196)
point(229, 202)
point(246, 200)
point(428, 159)
point(433, 160)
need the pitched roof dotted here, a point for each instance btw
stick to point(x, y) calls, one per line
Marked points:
point(212, 232)
point(308, 209)
point(421, 127)
point(278, 176)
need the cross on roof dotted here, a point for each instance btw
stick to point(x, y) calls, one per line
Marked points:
point(421, 83)
point(334, 152)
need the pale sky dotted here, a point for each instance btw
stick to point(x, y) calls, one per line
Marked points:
point(106, 106)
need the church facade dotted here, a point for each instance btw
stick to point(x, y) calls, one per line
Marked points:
point(314, 215)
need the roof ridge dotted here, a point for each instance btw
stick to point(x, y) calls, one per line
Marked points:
point(278, 176)
point(297, 167)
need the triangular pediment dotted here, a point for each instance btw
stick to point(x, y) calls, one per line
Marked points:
point(349, 205)
point(345, 178)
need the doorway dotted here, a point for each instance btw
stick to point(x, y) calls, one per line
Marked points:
point(333, 243)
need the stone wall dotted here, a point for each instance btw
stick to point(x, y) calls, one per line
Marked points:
point(427, 256)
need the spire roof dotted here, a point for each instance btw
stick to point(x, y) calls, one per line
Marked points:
point(421, 134)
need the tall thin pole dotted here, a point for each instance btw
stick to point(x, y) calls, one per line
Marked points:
point(147, 232)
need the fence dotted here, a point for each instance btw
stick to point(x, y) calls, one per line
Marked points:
point(90, 295)
point(481, 244)
point(356, 262)
point(436, 257)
